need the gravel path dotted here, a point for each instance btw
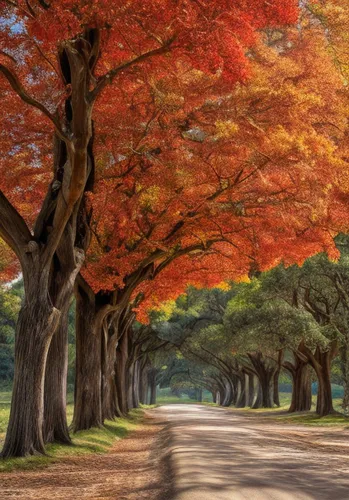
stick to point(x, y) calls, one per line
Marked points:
point(222, 454)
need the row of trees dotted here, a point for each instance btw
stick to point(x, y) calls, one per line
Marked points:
point(144, 149)
point(293, 320)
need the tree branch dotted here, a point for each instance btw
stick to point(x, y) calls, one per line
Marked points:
point(20, 91)
point(109, 77)
point(13, 228)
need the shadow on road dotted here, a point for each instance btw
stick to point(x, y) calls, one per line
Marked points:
point(217, 454)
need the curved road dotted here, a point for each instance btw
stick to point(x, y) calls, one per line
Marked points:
point(219, 454)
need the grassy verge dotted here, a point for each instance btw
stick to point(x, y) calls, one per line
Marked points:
point(280, 415)
point(312, 419)
point(83, 443)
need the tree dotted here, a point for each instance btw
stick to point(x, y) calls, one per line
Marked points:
point(210, 210)
point(57, 62)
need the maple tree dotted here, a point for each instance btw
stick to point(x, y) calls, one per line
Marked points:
point(196, 200)
point(61, 63)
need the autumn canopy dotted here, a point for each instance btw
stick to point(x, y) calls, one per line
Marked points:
point(148, 145)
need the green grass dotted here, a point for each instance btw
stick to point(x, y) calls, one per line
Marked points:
point(304, 418)
point(84, 442)
point(312, 419)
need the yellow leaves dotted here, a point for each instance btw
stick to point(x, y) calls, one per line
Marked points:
point(282, 139)
point(224, 286)
point(242, 279)
point(226, 129)
point(327, 188)
point(307, 143)
point(150, 197)
point(167, 309)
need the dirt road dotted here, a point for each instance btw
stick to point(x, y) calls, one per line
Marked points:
point(220, 454)
point(192, 452)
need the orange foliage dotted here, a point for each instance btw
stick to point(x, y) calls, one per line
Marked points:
point(245, 178)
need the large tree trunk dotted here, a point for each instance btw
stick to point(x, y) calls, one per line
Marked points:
point(130, 378)
point(301, 385)
point(324, 405)
point(87, 397)
point(36, 325)
point(152, 384)
point(276, 395)
point(265, 376)
point(42, 252)
point(259, 399)
point(110, 403)
point(144, 383)
point(241, 403)
point(228, 392)
point(344, 356)
point(136, 385)
point(321, 363)
point(251, 390)
point(55, 401)
point(199, 395)
point(120, 373)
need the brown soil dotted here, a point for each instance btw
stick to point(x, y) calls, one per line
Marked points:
point(135, 468)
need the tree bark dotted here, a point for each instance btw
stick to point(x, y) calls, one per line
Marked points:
point(251, 390)
point(265, 375)
point(276, 395)
point(136, 385)
point(44, 251)
point(152, 384)
point(259, 399)
point(37, 322)
point(87, 397)
point(55, 400)
point(120, 373)
point(199, 396)
point(321, 363)
point(144, 383)
point(324, 405)
point(301, 385)
point(110, 339)
point(228, 393)
point(241, 403)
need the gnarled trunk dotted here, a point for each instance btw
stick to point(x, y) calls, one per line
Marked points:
point(36, 325)
point(321, 363)
point(265, 375)
point(301, 385)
